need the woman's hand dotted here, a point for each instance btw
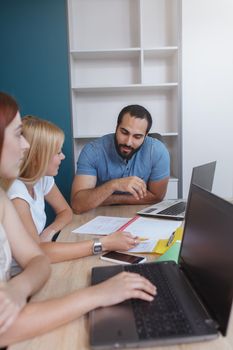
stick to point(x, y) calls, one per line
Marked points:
point(125, 285)
point(119, 241)
point(11, 302)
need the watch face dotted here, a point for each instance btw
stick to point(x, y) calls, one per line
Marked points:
point(97, 247)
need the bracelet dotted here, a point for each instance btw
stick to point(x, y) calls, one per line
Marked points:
point(54, 238)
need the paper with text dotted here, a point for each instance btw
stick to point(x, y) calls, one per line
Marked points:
point(102, 225)
point(153, 229)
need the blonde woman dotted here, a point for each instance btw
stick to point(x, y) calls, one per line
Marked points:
point(36, 185)
point(18, 320)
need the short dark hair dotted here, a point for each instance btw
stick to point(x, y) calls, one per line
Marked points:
point(136, 111)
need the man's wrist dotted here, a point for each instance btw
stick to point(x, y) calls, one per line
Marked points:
point(113, 185)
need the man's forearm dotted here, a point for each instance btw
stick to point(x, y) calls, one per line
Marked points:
point(130, 199)
point(88, 199)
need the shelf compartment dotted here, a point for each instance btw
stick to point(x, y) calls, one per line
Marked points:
point(160, 66)
point(96, 114)
point(90, 29)
point(159, 23)
point(104, 68)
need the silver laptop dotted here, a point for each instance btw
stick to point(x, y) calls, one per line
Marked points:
point(202, 176)
point(194, 297)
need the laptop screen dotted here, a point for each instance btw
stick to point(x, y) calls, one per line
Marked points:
point(206, 253)
point(203, 175)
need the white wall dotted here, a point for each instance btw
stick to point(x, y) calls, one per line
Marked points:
point(207, 89)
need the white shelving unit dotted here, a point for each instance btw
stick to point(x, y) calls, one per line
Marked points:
point(126, 52)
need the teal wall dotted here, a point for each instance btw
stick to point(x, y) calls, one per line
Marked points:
point(34, 66)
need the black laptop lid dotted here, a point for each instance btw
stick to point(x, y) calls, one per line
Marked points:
point(203, 175)
point(206, 253)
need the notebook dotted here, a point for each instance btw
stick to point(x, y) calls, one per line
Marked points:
point(194, 297)
point(202, 176)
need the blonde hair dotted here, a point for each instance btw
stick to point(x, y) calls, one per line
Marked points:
point(45, 140)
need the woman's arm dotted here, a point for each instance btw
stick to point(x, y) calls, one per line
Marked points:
point(28, 254)
point(23, 209)
point(58, 252)
point(60, 206)
point(30, 257)
point(63, 213)
point(41, 317)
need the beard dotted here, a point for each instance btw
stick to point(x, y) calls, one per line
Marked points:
point(122, 153)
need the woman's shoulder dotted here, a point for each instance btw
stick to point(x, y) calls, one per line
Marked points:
point(45, 184)
point(16, 186)
point(46, 180)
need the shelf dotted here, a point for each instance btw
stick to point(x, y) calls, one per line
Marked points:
point(122, 52)
point(161, 51)
point(95, 136)
point(106, 54)
point(164, 86)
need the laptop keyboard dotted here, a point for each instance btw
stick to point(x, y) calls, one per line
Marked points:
point(175, 209)
point(164, 310)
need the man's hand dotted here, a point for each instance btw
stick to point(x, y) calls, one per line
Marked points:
point(132, 184)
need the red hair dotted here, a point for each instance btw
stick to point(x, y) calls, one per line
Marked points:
point(8, 110)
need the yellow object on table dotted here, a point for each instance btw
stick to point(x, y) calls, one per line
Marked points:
point(164, 244)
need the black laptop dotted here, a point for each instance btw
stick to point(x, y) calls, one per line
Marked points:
point(194, 297)
point(202, 175)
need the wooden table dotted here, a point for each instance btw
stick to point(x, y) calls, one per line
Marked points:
point(68, 276)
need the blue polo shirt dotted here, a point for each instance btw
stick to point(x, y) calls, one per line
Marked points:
point(100, 158)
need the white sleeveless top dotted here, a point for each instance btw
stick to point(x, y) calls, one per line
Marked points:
point(5, 256)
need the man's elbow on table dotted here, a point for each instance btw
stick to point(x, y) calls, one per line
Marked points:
point(76, 204)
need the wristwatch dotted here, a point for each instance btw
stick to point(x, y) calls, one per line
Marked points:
point(97, 246)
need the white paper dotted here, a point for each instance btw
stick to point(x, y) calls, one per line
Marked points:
point(102, 225)
point(145, 247)
point(153, 229)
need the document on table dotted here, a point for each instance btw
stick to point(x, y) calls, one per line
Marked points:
point(102, 225)
point(152, 230)
point(149, 230)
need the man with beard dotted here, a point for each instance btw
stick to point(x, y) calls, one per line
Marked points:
point(127, 167)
